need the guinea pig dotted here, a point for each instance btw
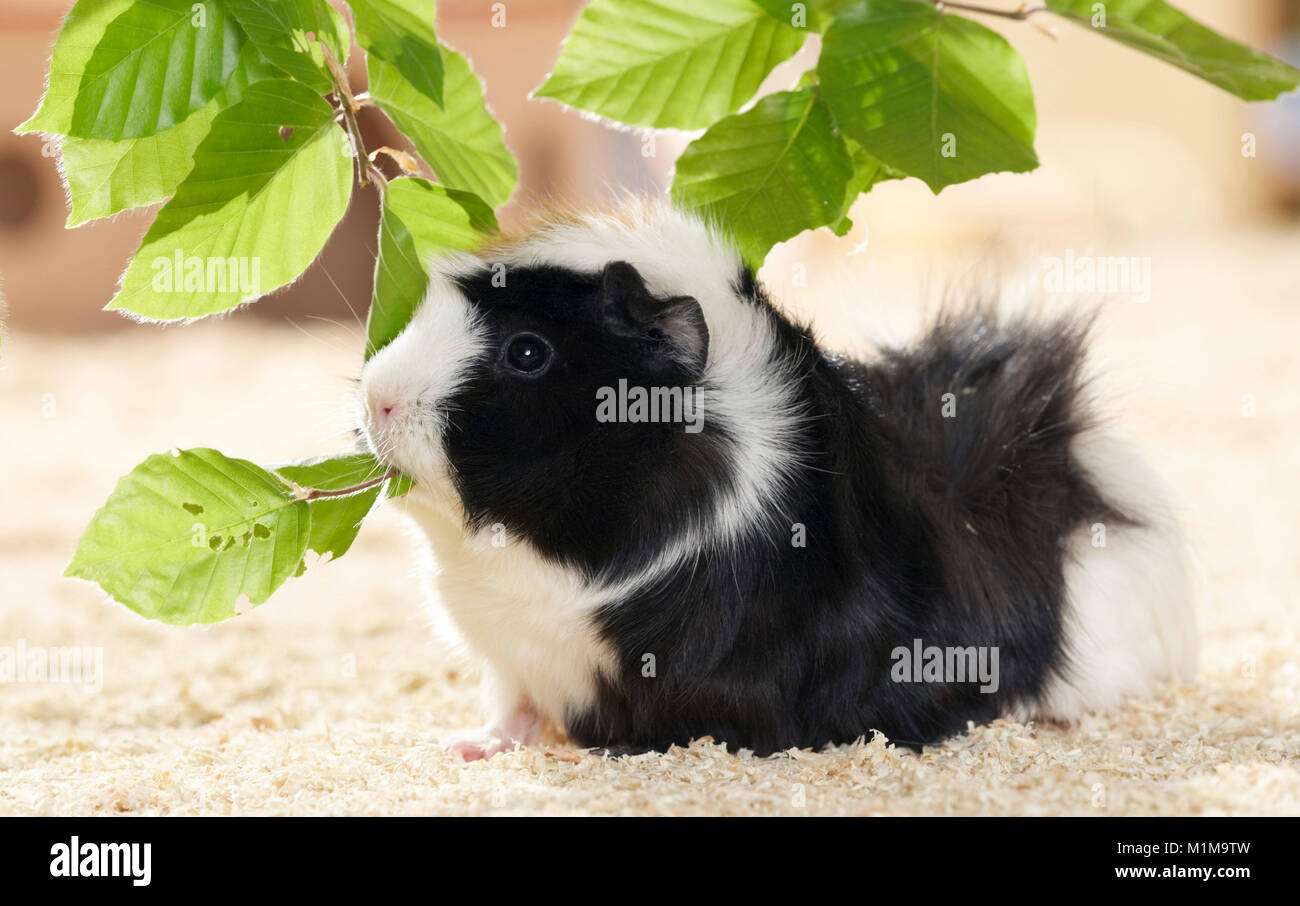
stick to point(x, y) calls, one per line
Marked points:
point(659, 510)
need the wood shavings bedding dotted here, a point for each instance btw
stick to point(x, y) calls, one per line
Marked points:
point(329, 699)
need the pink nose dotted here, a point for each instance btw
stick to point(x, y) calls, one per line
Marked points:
point(383, 407)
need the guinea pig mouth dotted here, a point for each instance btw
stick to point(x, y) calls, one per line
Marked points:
point(404, 434)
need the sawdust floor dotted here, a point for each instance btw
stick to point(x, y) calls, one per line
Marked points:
point(330, 698)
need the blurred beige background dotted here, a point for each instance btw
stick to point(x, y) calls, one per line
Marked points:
point(330, 699)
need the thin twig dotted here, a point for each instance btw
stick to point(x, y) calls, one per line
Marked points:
point(340, 77)
point(358, 145)
point(317, 493)
point(1023, 13)
point(348, 108)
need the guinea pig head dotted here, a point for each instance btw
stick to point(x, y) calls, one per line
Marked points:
point(510, 383)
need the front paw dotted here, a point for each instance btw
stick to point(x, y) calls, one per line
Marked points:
point(519, 725)
point(480, 742)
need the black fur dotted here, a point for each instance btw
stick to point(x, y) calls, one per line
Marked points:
point(950, 530)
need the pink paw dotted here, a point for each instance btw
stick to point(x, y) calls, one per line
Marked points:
point(520, 725)
point(471, 745)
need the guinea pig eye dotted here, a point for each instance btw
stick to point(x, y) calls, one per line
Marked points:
point(527, 354)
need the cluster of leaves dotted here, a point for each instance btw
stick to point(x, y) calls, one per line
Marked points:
point(901, 88)
point(238, 115)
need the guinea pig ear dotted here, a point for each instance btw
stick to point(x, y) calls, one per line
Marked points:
point(674, 326)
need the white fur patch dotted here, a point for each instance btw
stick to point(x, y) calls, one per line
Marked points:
point(423, 365)
point(1129, 621)
point(528, 618)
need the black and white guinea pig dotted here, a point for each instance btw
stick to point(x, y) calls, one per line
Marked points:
point(659, 510)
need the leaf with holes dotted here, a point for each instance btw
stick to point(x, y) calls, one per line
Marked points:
point(106, 177)
point(289, 34)
point(927, 93)
point(461, 142)
point(1158, 29)
point(269, 183)
point(419, 220)
point(185, 535)
point(401, 32)
point(668, 63)
point(769, 173)
point(125, 70)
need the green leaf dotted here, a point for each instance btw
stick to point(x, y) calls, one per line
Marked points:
point(1158, 29)
point(927, 93)
point(186, 534)
point(769, 173)
point(867, 171)
point(128, 70)
point(153, 67)
point(78, 37)
point(668, 63)
point(401, 32)
point(339, 471)
point(283, 31)
point(461, 142)
point(419, 221)
point(814, 14)
point(335, 521)
point(269, 183)
point(331, 473)
point(106, 177)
